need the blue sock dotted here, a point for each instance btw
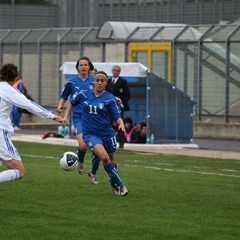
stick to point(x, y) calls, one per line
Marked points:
point(81, 155)
point(113, 174)
point(95, 163)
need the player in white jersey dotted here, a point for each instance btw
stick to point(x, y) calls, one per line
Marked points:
point(10, 96)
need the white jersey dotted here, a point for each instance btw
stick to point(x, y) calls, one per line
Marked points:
point(10, 96)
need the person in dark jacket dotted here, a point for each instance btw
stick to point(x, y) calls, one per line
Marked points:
point(119, 88)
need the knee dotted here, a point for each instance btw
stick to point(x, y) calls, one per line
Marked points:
point(21, 173)
point(105, 160)
point(84, 148)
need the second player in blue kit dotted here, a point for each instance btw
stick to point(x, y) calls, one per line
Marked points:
point(82, 80)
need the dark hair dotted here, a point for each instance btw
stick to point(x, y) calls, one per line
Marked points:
point(91, 67)
point(94, 69)
point(128, 119)
point(101, 72)
point(8, 72)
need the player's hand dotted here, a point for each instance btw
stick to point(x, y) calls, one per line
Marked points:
point(119, 100)
point(64, 122)
point(121, 127)
point(59, 109)
point(57, 118)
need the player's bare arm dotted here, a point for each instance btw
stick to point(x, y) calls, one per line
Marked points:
point(120, 124)
point(60, 105)
point(58, 118)
point(67, 113)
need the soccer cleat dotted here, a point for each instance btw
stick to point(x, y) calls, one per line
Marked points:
point(120, 191)
point(123, 191)
point(80, 168)
point(93, 177)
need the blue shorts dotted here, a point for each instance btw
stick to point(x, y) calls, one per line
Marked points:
point(77, 123)
point(110, 144)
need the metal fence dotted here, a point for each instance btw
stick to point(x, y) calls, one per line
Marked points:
point(169, 112)
point(207, 67)
point(39, 53)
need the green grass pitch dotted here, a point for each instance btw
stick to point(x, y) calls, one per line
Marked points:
point(170, 197)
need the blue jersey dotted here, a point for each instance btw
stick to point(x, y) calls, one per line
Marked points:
point(96, 112)
point(75, 84)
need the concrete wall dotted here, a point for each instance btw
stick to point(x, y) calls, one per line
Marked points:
point(230, 131)
point(227, 131)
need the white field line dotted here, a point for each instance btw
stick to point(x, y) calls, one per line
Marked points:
point(183, 171)
point(157, 163)
point(172, 164)
point(157, 168)
point(37, 156)
point(230, 170)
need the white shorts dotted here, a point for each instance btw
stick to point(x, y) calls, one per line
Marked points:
point(7, 149)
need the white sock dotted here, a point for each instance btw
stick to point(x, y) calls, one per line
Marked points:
point(9, 175)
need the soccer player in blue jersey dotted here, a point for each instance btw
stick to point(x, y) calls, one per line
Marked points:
point(16, 111)
point(98, 133)
point(83, 80)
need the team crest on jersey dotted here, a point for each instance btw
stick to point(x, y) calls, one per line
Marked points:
point(90, 144)
point(101, 105)
point(90, 86)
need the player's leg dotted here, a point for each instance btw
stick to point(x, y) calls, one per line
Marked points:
point(82, 148)
point(95, 166)
point(81, 152)
point(110, 146)
point(95, 144)
point(9, 156)
point(15, 170)
point(114, 179)
point(95, 163)
point(109, 167)
point(112, 158)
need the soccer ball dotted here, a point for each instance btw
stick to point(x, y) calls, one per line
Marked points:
point(69, 161)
